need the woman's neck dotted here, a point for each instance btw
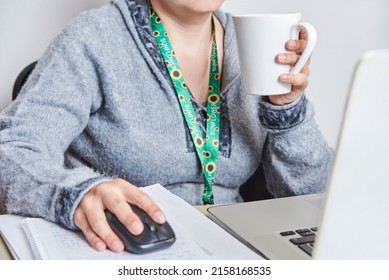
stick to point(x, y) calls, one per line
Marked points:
point(190, 32)
point(180, 22)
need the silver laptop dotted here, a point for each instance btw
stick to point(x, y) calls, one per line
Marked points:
point(349, 221)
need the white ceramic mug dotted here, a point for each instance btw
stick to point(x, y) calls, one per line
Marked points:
point(259, 39)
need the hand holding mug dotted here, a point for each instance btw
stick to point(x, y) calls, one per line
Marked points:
point(270, 67)
point(298, 81)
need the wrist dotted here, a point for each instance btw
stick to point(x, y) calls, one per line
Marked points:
point(283, 99)
point(276, 118)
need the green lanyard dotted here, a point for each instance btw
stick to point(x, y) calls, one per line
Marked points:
point(207, 149)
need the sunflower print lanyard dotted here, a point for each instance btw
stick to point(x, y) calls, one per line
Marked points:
point(207, 149)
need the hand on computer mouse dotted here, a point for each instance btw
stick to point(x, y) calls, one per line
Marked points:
point(154, 237)
point(113, 195)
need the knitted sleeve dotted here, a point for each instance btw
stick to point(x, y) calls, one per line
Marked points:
point(296, 157)
point(52, 109)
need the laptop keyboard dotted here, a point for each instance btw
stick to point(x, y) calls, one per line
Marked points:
point(303, 238)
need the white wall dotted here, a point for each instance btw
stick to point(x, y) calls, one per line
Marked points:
point(346, 28)
point(26, 29)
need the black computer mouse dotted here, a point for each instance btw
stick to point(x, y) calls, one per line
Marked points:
point(154, 236)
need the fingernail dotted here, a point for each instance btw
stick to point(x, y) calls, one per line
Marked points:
point(292, 44)
point(136, 228)
point(100, 246)
point(281, 58)
point(117, 246)
point(159, 217)
point(284, 77)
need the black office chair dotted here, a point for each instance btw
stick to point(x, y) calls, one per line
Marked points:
point(22, 78)
point(255, 187)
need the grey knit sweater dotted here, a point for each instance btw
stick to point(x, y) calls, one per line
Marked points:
point(100, 105)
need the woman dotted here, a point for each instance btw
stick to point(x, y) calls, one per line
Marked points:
point(100, 116)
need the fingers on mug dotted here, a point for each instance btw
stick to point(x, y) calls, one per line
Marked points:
point(259, 38)
point(310, 45)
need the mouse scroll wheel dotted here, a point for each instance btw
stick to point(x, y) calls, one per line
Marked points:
point(150, 225)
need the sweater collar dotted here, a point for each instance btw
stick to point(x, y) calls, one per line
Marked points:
point(136, 14)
